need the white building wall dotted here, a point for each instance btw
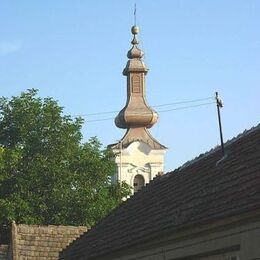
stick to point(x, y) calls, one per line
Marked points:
point(138, 158)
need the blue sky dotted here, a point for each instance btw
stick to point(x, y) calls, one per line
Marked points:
point(75, 51)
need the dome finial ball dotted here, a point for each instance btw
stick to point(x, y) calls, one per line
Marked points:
point(135, 30)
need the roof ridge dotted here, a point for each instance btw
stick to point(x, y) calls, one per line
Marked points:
point(200, 157)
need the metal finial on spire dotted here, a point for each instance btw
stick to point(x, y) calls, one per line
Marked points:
point(135, 52)
point(135, 30)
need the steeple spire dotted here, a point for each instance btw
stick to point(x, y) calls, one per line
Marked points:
point(136, 112)
point(139, 156)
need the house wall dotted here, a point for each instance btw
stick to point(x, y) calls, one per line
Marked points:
point(235, 242)
point(138, 158)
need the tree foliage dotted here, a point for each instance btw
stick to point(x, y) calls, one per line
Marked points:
point(47, 175)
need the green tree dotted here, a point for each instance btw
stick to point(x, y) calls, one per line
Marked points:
point(47, 175)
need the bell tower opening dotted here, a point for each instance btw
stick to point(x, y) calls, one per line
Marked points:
point(138, 182)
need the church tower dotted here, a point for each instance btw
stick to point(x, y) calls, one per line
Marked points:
point(139, 157)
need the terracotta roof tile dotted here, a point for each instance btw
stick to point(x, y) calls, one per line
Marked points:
point(3, 252)
point(42, 242)
point(205, 189)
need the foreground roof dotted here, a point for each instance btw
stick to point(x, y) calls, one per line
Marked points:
point(204, 190)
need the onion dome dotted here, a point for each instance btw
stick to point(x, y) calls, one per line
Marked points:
point(136, 112)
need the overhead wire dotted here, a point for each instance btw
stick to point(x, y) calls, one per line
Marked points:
point(160, 105)
point(160, 111)
point(184, 102)
point(97, 120)
point(98, 113)
point(180, 108)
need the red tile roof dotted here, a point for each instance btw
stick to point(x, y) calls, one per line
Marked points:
point(206, 189)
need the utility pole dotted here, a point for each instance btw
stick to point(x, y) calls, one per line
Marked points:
point(220, 105)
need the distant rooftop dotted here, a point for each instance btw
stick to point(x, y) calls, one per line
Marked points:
point(32, 242)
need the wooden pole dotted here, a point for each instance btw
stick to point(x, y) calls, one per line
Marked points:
point(220, 105)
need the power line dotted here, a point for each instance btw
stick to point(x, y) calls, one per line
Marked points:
point(180, 108)
point(184, 102)
point(161, 105)
point(98, 113)
point(162, 111)
point(97, 120)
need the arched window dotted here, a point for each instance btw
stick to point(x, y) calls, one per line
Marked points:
point(138, 182)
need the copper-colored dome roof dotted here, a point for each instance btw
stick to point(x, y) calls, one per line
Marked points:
point(136, 112)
